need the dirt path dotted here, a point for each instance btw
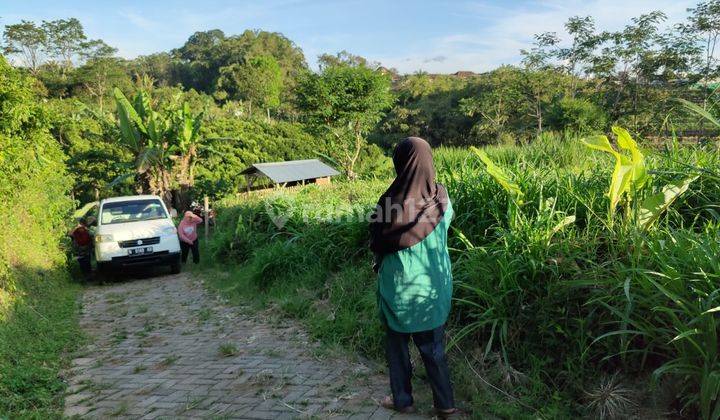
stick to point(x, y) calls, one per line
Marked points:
point(164, 347)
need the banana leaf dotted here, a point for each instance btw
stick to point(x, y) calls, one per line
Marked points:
point(500, 176)
point(622, 172)
point(130, 135)
point(132, 114)
point(655, 205)
point(626, 142)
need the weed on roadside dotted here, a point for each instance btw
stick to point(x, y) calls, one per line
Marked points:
point(228, 349)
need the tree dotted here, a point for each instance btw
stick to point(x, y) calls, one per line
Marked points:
point(98, 76)
point(100, 72)
point(185, 142)
point(96, 49)
point(634, 70)
point(206, 53)
point(202, 47)
point(64, 41)
point(345, 102)
point(144, 133)
point(416, 86)
point(584, 42)
point(27, 40)
point(65, 38)
point(704, 24)
point(575, 59)
point(540, 89)
point(258, 81)
point(289, 56)
point(576, 115)
point(633, 50)
point(344, 58)
point(542, 53)
point(214, 63)
point(89, 139)
point(202, 54)
point(161, 67)
point(495, 105)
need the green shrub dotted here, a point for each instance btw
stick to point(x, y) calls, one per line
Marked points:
point(38, 310)
point(576, 115)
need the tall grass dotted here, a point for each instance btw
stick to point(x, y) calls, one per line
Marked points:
point(550, 291)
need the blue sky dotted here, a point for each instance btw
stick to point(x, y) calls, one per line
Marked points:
point(434, 36)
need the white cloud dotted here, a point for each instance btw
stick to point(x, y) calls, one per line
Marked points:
point(138, 20)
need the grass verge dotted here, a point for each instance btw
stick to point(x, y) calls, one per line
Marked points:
point(37, 332)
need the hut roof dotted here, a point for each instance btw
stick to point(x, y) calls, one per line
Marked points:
point(293, 170)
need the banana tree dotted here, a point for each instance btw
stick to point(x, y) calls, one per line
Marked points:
point(629, 177)
point(146, 133)
point(184, 147)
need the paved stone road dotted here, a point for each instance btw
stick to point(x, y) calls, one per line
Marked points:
point(164, 347)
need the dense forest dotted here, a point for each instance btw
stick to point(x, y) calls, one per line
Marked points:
point(258, 100)
point(577, 294)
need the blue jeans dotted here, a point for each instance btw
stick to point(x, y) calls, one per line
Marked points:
point(432, 350)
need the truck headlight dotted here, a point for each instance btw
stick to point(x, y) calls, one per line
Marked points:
point(103, 238)
point(169, 231)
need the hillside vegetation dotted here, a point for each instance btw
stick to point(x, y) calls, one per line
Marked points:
point(260, 101)
point(564, 315)
point(587, 273)
point(38, 310)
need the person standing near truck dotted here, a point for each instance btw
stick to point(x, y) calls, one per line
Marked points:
point(82, 244)
point(187, 231)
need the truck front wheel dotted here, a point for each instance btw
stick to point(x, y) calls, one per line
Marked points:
point(175, 267)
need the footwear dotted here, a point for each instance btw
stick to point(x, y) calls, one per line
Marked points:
point(450, 413)
point(388, 403)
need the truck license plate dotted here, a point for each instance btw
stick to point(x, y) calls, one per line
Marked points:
point(140, 251)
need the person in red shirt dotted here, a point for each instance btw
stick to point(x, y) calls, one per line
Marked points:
point(187, 231)
point(82, 245)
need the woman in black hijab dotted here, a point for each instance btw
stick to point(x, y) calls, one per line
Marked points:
point(408, 236)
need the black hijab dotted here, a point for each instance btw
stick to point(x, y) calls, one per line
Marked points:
point(413, 205)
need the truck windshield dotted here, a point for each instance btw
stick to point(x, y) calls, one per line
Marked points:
point(132, 211)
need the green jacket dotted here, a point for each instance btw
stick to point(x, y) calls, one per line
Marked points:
point(415, 284)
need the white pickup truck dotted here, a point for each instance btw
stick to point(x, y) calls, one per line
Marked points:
point(135, 231)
